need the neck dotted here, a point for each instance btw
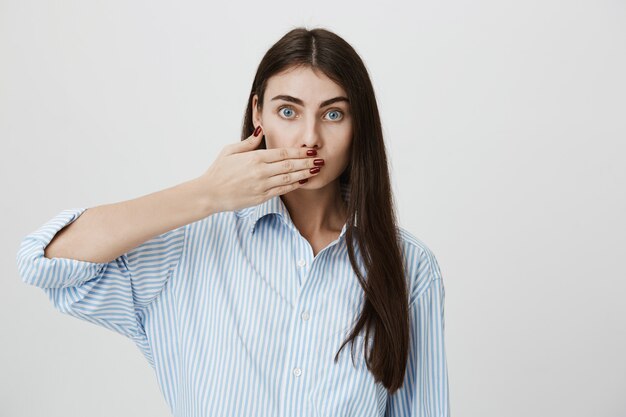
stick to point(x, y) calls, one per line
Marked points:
point(317, 212)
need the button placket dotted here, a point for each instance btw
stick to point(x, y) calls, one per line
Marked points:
point(305, 315)
point(302, 270)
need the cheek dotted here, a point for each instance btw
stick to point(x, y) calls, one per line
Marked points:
point(275, 140)
point(279, 136)
point(340, 158)
point(346, 148)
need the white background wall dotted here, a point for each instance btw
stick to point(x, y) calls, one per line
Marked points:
point(510, 117)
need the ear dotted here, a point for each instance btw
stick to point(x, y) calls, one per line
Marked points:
point(256, 115)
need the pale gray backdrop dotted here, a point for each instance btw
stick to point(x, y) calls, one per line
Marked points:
point(505, 125)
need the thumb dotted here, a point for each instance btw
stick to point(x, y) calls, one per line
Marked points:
point(248, 144)
point(255, 139)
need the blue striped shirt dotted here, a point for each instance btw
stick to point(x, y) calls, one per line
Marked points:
point(237, 317)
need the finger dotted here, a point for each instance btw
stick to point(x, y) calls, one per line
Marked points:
point(280, 154)
point(288, 179)
point(285, 188)
point(291, 165)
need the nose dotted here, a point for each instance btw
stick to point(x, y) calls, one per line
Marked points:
point(311, 136)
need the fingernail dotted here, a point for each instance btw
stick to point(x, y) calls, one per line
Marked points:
point(303, 181)
point(311, 152)
point(257, 130)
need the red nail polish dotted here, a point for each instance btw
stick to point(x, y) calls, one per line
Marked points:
point(257, 130)
point(311, 152)
point(303, 181)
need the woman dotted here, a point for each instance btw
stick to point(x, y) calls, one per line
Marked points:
point(243, 286)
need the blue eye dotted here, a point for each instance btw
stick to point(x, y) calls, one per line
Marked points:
point(334, 111)
point(285, 108)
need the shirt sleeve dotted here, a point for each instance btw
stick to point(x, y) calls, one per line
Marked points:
point(425, 391)
point(114, 294)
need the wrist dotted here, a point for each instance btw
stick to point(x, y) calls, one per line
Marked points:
point(207, 203)
point(200, 197)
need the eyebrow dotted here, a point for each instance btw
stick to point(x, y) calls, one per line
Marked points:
point(301, 103)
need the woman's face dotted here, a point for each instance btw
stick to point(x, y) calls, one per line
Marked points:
point(296, 114)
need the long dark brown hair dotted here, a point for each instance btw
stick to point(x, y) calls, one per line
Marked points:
point(370, 206)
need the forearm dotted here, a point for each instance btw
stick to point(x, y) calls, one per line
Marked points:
point(103, 233)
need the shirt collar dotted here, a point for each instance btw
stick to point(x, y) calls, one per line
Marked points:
point(276, 206)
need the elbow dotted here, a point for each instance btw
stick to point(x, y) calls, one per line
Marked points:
point(26, 259)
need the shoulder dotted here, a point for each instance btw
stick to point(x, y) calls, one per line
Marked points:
point(420, 263)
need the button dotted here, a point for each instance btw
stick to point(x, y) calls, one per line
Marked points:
point(297, 371)
point(301, 262)
point(305, 315)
